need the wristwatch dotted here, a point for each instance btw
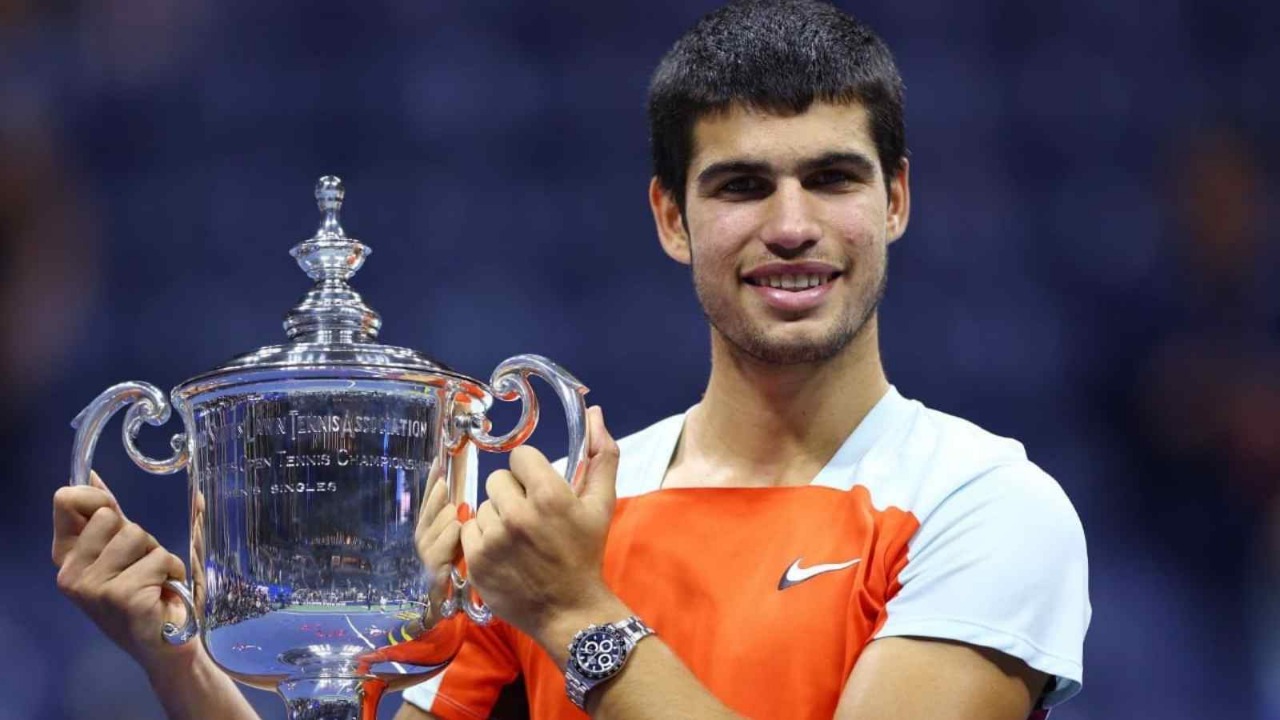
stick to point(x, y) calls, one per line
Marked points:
point(597, 653)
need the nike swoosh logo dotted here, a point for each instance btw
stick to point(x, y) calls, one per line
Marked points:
point(796, 574)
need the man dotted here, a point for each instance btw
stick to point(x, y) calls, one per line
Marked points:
point(802, 543)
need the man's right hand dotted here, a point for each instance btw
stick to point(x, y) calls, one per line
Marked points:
point(115, 571)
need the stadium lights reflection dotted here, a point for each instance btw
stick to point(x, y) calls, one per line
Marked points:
point(327, 650)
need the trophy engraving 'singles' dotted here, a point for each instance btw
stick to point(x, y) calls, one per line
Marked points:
point(309, 463)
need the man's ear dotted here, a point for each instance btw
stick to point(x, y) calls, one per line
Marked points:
point(899, 202)
point(670, 223)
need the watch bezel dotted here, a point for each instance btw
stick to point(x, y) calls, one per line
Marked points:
point(619, 652)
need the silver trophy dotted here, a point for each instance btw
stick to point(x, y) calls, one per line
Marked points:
point(309, 463)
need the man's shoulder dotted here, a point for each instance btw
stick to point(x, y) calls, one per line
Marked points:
point(998, 559)
point(938, 437)
point(935, 457)
point(984, 457)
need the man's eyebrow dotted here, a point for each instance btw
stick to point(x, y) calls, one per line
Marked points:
point(733, 167)
point(861, 164)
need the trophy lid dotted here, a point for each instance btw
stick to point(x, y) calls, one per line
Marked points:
point(331, 331)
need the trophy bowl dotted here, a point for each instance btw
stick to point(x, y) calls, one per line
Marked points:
point(309, 464)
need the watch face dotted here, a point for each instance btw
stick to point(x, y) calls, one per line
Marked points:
point(599, 653)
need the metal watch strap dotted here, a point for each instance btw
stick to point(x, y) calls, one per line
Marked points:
point(576, 689)
point(633, 630)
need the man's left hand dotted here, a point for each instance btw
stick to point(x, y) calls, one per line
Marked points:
point(536, 547)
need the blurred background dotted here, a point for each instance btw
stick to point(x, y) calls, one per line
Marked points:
point(1091, 267)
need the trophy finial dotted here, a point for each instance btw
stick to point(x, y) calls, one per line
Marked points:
point(329, 195)
point(330, 253)
point(331, 311)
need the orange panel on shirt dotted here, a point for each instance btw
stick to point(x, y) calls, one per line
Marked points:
point(702, 567)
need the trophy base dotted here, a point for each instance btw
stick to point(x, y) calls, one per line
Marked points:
point(332, 698)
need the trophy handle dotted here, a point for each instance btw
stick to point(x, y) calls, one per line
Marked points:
point(510, 382)
point(148, 404)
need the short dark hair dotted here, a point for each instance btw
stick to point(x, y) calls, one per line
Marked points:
point(778, 56)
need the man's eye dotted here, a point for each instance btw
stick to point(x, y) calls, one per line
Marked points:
point(743, 186)
point(829, 178)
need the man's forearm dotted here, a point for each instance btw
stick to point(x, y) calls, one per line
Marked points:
point(654, 683)
point(199, 690)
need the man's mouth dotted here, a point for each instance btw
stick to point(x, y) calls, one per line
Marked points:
point(792, 282)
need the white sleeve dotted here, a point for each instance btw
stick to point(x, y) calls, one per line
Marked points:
point(1001, 563)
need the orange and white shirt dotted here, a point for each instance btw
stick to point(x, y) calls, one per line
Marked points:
point(922, 524)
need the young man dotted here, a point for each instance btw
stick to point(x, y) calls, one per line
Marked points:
point(804, 542)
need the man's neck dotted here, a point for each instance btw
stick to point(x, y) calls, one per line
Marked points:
point(768, 424)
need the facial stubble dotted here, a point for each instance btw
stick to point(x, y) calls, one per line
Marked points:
point(739, 332)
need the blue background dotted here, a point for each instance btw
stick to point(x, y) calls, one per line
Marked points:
point(1090, 266)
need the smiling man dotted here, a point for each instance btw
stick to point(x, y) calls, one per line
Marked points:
point(804, 542)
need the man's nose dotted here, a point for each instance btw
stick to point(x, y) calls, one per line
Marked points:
point(790, 225)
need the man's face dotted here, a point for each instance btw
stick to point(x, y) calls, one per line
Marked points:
point(788, 222)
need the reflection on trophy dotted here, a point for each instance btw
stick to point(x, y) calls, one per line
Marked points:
point(310, 463)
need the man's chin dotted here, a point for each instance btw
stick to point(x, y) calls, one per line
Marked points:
point(791, 351)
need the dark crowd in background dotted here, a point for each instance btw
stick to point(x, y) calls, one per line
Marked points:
point(1091, 267)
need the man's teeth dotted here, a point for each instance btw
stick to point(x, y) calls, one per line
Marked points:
point(792, 282)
